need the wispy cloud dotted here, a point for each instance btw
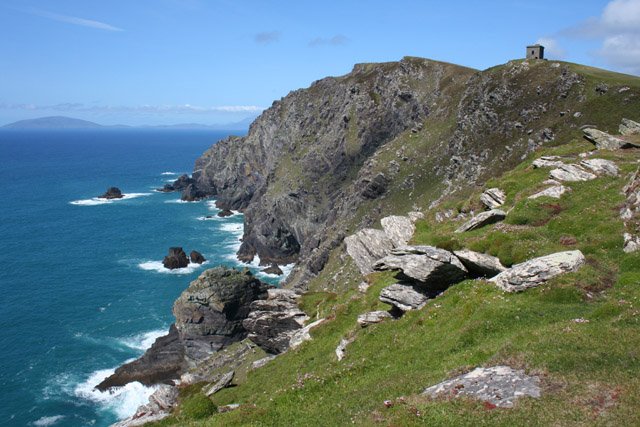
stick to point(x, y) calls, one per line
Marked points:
point(75, 20)
point(267, 37)
point(618, 28)
point(552, 48)
point(70, 107)
point(337, 40)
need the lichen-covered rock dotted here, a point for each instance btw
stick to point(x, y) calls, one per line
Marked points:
point(629, 127)
point(367, 246)
point(493, 198)
point(480, 265)
point(404, 297)
point(373, 317)
point(604, 141)
point(600, 166)
point(498, 385)
point(399, 229)
point(571, 173)
point(536, 271)
point(434, 268)
point(555, 192)
point(482, 219)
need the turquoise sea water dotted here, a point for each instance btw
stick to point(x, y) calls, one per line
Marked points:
point(82, 286)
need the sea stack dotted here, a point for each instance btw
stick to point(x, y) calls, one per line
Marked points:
point(176, 258)
point(112, 193)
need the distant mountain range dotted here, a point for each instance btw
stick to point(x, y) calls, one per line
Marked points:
point(61, 122)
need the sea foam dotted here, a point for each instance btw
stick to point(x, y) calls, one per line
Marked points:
point(144, 340)
point(159, 268)
point(47, 421)
point(95, 201)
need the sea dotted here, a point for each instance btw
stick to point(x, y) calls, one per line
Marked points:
point(82, 285)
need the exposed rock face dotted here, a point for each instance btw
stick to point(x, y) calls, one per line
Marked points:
point(230, 358)
point(493, 198)
point(434, 268)
point(399, 229)
point(629, 127)
point(548, 162)
point(176, 258)
point(480, 265)
point(179, 184)
point(223, 382)
point(303, 334)
point(482, 219)
point(373, 317)
point(571, 173)
point(368, 246)
point(600, 166)
point(272, 322)
point(261, 362)
point(112, 193)
point(161, 402)
point(498, 385)
point(538, 270)
point(555, 192)
point(604, 141)
point(196, 257)
point(404, 297)
point(630, 213)
point(209, 313)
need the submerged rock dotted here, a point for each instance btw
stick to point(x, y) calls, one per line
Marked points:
point(536, 271)
point(196, 257)
point(498, 385)
point(367, 246)
point(112, 193)
point(493, 198)
point(176, 258)
point(480, 220)
point(480, 265)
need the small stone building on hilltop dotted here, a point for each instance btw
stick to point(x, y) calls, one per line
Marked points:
point(535, 52)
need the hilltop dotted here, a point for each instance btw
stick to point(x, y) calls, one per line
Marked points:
point(359, 179)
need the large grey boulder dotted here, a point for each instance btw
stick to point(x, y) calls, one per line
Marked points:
point(555, 192)
point(571, 173)
point(600, 166)
point(481, 265)
point(548, 162)
point(404, 297)
point(399, 229)
point(497, 385)
point(536, 271)
point(631, 243)
point(160, 404)
point(493, 198)
point(629, 127)
point(604, 141)
point(434, 268)
point(482, 219)
point(367, 246)
point(373, 317)
point(224, 381)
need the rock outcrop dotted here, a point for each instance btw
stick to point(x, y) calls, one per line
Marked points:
point(600, 167)
point(555, 192)
point(630, 213)
point(500, 386)
point(536, 271)
point(604, 141)
point(192, 194)
point(629, 127)
point(176, 258)
point(273, 269)
point(368, 246)
point(224, 381)
point(480, 265)
point(404, 297)
point(482, 219)
point(373, 317)
point(196, 257)
point(112, 193)
point(160, 405)
point(225, 213)
point(179, 184)
point(399, 229)
point(493, 198)
point(548, 162)
point(571, 173)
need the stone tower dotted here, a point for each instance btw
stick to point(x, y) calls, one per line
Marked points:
point(535, 52)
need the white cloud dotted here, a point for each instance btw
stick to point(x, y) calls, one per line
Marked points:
point(337, 40)
point(75, 20)
point(175, 109)
point(552, 48)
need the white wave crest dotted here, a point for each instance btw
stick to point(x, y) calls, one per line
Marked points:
point(122, 401)
point(286, 270)
point(144, 340)
point(159, 268)
point(180, 201)
point(169, 173)
point(100, 201)
point(47, 421)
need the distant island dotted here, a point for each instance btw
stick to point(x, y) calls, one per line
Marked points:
point(62, 122)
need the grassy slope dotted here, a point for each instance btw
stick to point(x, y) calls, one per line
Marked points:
point(591, 371)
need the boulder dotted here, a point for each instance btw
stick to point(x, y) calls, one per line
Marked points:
point(196, 257)
point(497, 385)
point(434, 268)
point(399, 229)
point(554, 192)
point(604, 141)
point(571, 173)
point(367, 246)
point(272, 322)
point(223, 382)
point(176, 258)
point(536, 271)
point(482, 219)
point(373, 317)
point(631, 243)
point(548, 162)
point(192, 194)
point(160, 404)
point(480, 265)
point(493, 198)
point(600, 166)
point(225, 213)
point(629, 127)
point(112, 193)
point(261, 362)
point(210, 312)
point(404, 297)
point(273, 269)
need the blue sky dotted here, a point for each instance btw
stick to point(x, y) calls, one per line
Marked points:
point(219, 61)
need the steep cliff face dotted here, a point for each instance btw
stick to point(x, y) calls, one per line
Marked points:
point(318, 163)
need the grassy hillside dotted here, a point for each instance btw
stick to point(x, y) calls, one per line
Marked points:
point(590, 368)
